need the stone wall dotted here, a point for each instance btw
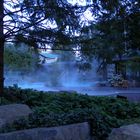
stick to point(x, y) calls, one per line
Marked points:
point(79, 131)
point(12, 112)
point(128, 132)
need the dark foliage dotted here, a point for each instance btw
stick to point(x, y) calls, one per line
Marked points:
point(61, 108)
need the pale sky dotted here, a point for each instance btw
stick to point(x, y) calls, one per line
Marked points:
point(85, 17)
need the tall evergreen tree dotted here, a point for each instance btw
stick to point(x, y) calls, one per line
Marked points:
point(113, 32)
point(2, 40)
point(116, 30)
point(28, 21)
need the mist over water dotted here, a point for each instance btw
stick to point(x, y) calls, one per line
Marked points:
point(61, 76)
point(53, 76)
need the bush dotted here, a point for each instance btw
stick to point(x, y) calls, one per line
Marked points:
point(100, 124)
point(54, 109)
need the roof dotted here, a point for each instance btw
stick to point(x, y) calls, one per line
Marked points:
point(49, 55)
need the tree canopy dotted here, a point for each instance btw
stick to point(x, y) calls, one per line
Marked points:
point(114, 31)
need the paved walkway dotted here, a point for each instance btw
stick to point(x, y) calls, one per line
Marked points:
point(98, 91)
point(131, 93)
point(110, 91)
point(90, 90)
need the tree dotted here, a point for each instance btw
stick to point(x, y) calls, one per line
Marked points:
point(29, 23)
point(116, 30)
point(109, 35)
point(2, 40)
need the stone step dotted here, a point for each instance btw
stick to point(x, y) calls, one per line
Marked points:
point(129, 132)
point(80, 131)
point(12, 112)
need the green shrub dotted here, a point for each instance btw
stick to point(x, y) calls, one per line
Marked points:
point(60, 108)
point(100, 124)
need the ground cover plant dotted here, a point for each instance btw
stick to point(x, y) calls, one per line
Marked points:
point(61, 108)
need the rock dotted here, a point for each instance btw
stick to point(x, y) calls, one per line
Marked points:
point(79, 131)
point(129, 132)
point(12, 112)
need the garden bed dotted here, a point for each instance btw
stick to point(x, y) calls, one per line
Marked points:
point(53, 109)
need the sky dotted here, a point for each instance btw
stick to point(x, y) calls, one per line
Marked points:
point(85, 17)
point(87, 14)
point(80, 2)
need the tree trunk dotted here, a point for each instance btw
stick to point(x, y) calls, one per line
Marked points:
point(1, 48)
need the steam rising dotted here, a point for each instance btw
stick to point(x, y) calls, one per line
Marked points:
point(53, 76)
